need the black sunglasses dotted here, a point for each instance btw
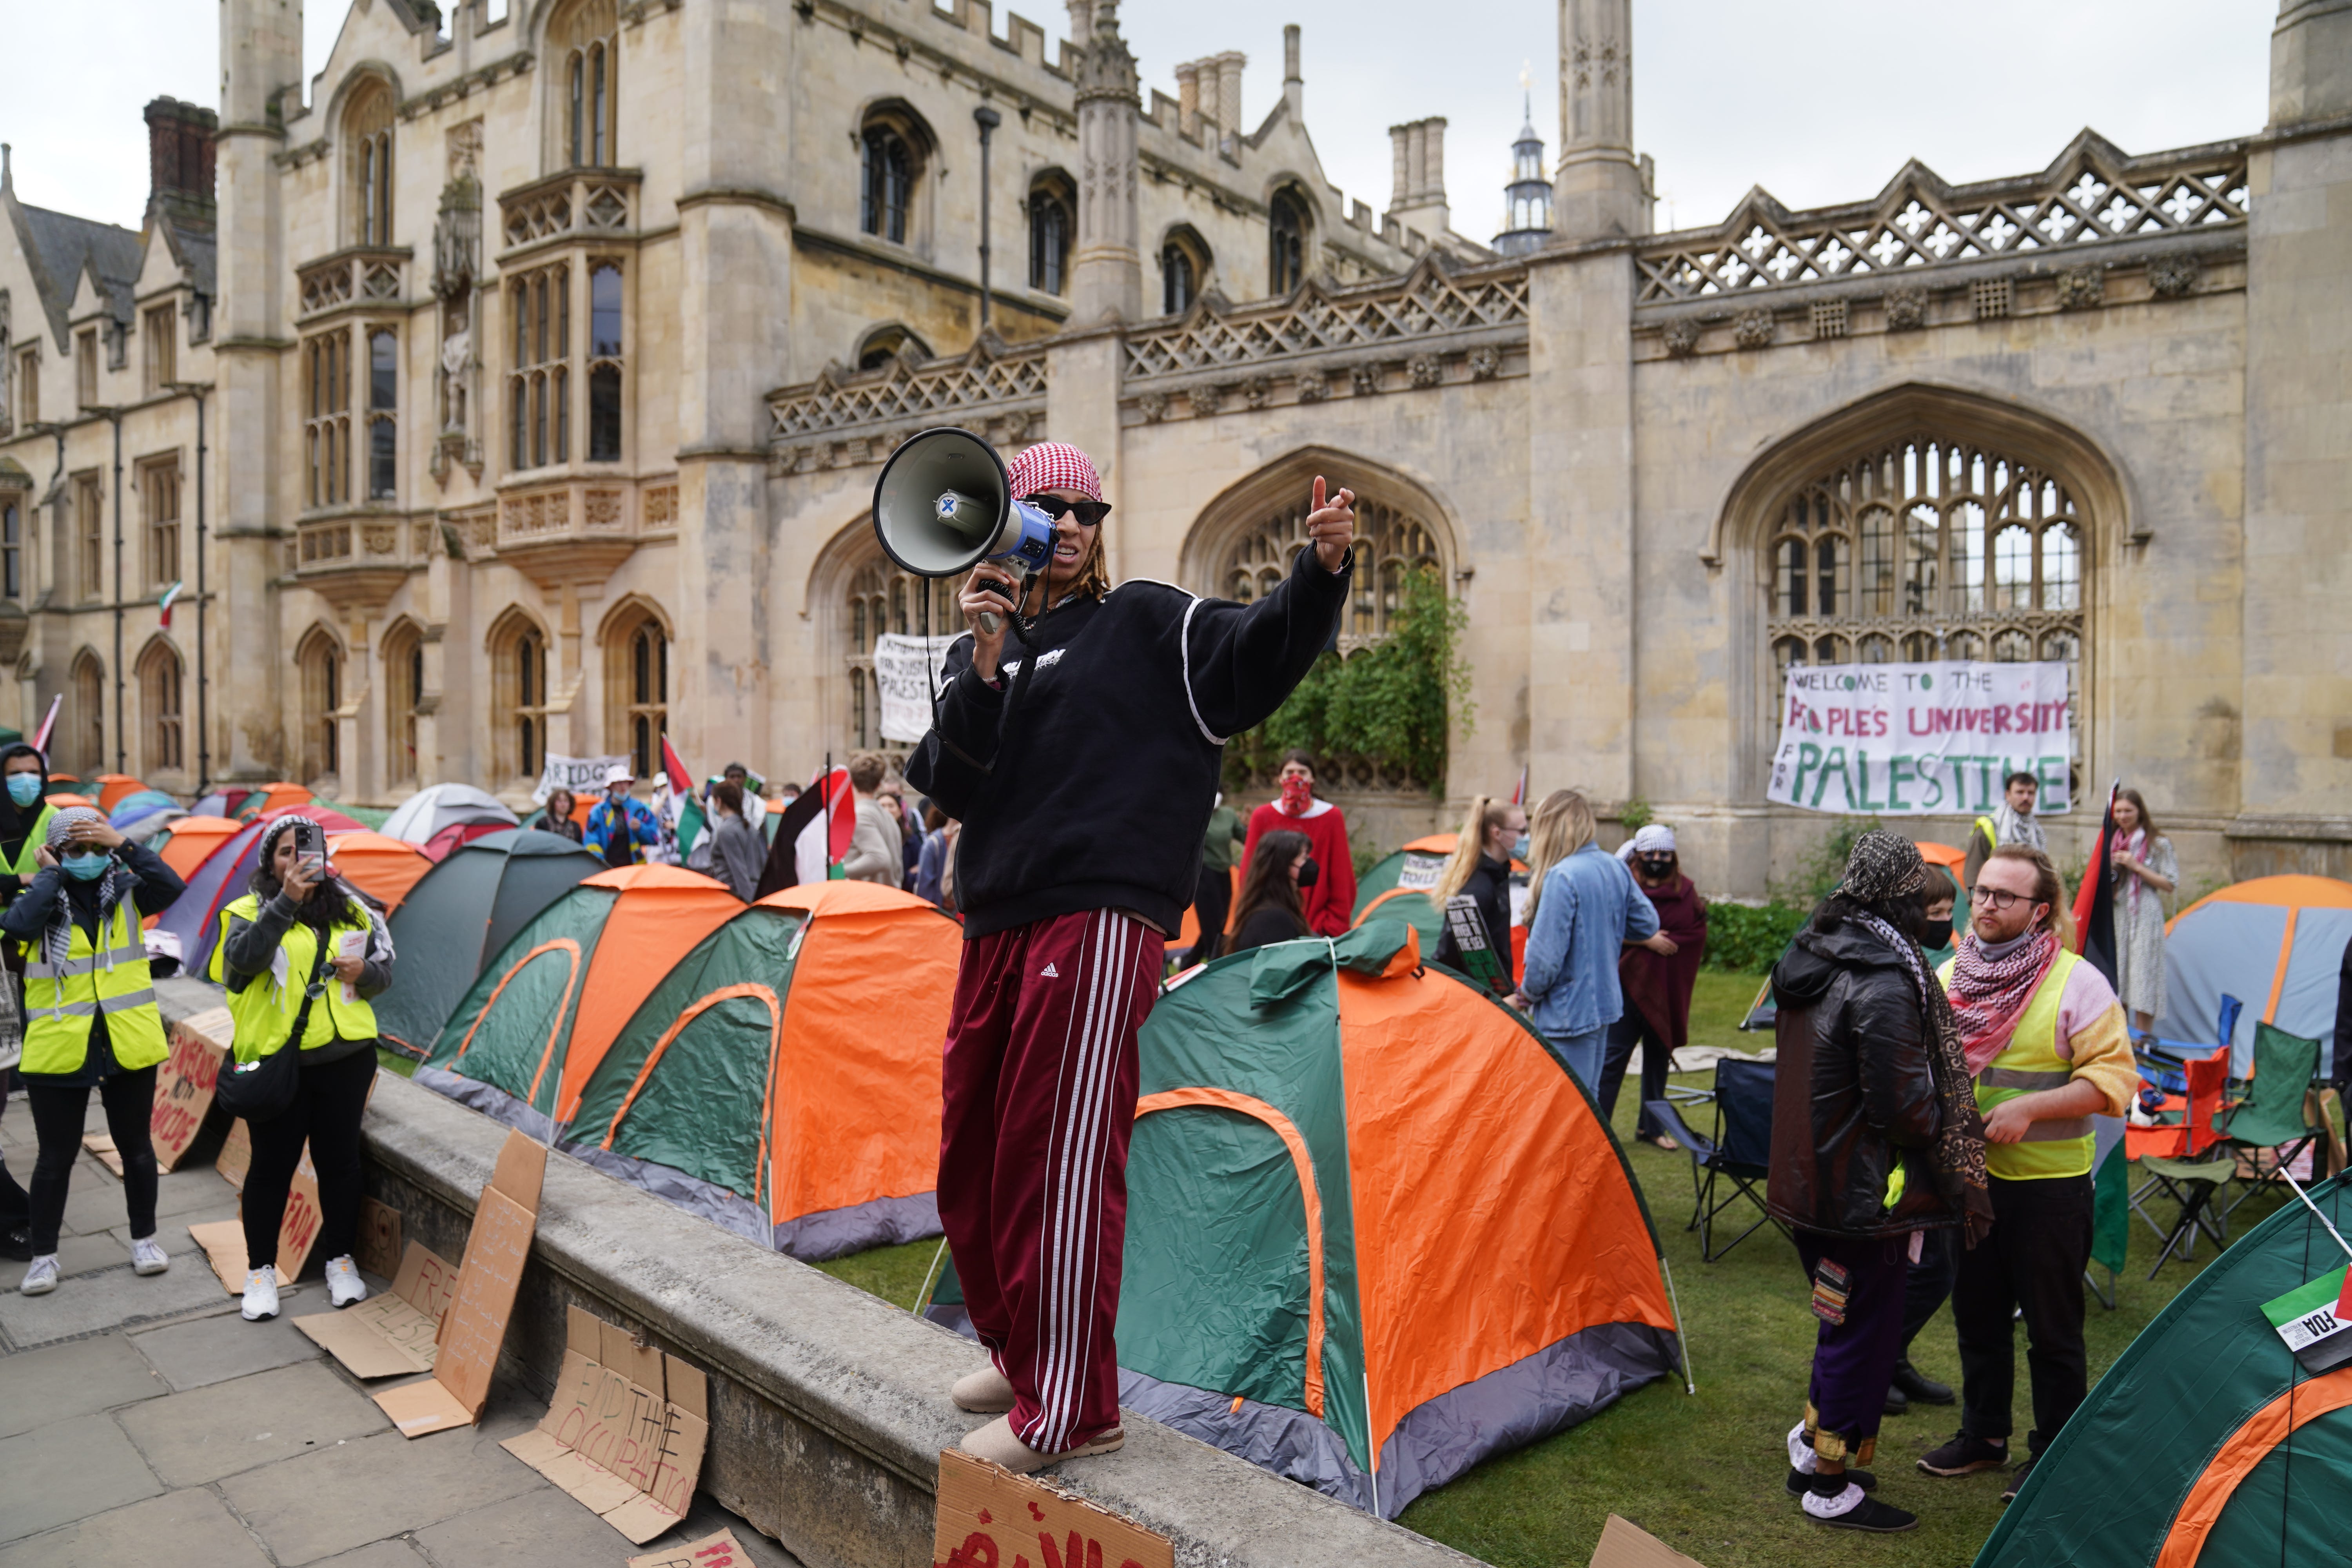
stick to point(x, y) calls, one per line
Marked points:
point(1090, 513)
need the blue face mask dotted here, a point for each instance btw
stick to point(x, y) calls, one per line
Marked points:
point(1520, 849)
point(23, 788)
point(86, 867)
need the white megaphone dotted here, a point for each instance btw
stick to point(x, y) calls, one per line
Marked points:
point(944, 504)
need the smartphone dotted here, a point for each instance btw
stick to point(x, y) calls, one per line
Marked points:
point(310, 864)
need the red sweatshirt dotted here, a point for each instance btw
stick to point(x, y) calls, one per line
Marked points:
point(1331, 902)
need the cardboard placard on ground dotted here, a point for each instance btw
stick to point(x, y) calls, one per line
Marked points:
point(475, 1322)
point(392, 1333)
point(102, 1145)
point(236, 1156)
point(1624, 1544)
point(719, 1550)
point(297, 1232)
point(379, 1250)
point(184, 1083)
point(625, 1431)
point(988, 1514)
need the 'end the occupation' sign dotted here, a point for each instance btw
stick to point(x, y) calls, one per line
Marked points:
point(1896, 740)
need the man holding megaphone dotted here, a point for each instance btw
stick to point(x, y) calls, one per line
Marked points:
point(1079, 739)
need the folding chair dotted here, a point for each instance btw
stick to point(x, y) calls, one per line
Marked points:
point(2276, 1112)
point(2193, 1176)
point(1740, 1155)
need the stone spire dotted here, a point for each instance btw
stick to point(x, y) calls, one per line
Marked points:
point(1599, 184)
point(1107, 273)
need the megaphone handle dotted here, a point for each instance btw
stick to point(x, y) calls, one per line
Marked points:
point(991, 622)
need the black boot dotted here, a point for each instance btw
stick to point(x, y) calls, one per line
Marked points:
point(1897, 1404)
point(1918, 1387)
point(1830, 1501)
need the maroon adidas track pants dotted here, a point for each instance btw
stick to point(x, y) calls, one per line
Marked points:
point(1040, 1103)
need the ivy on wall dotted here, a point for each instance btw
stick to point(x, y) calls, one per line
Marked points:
point(1391, 705)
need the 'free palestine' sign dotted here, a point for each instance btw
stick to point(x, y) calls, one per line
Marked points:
point(1897, 740)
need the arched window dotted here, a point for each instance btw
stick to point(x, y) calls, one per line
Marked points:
point(404, 685)
point(604, 362)
point(1287, 227)
point(518, 698)
point(885, 343)
point(1960, 552)
point(1390, 541)
point(585, 39)
point(539, 387)
point(86, 718)
point(1183, 269)
point(383, 414)
point(636, 686)
point(1050, 206)
point(161, 749)
point(367, 163)
point(320, 658)
point(892, 143)
point(882, 598)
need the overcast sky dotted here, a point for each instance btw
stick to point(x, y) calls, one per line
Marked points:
point(1819, 102)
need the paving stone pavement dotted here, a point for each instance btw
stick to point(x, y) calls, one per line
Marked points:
point(144, 1418)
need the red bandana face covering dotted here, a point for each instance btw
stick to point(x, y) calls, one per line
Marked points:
point(1295, 795)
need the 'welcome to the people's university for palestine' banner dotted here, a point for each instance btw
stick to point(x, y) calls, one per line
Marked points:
point(1895, 740)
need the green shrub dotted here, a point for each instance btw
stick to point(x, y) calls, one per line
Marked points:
point(1634, 815)
point(1746, 938)
point(1818, 877)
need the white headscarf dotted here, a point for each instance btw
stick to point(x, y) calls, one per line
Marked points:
point(1655, 839)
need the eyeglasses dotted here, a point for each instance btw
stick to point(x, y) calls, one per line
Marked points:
point(1090, 513)
point(1998, 899)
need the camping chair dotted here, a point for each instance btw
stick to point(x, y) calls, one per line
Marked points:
point(2193, 1176)
point(1740, 1155)
point(2276, 1113)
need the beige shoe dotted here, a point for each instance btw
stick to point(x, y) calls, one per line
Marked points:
point(997, 1444)
point(987, 1391)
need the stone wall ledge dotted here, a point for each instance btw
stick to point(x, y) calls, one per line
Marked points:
point(828, 1405)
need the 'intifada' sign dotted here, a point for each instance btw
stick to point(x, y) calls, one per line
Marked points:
point(1896, 740)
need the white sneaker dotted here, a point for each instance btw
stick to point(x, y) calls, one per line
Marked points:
point(41, 1276)
point(344, 1286)
point(147, 1257)
point(260, 1294)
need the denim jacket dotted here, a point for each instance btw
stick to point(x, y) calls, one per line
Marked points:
point(1590, 909)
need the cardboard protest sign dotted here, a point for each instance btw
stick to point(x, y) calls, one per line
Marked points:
point(378, 1250)
point(719, 1550)
point(236, 1154)
point(625, 1431)
point(475, 1322)
point(907, 671)
point(392, 1333)
point(1903, 739)
point(224, 1240)
point(184, 1082)
point(989, 1515)
point(1628, 1545)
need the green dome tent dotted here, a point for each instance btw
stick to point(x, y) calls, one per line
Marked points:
point(463, 912)
point(1396, 888)
point(2208, 1441)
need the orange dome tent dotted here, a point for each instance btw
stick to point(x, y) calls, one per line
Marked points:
point(112, 787)
point(193, 840)
point(383, 868)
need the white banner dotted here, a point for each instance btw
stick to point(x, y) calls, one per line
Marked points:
point(583, 776)
point(905, 678)
point(1904, 739)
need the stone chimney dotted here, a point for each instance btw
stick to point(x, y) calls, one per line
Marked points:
point(1294, 87)
point(1417, 193)
point(1188, 98)
point(1229, 90)
point(179, 162)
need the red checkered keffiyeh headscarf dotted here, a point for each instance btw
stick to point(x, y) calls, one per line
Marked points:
point(1053, 466)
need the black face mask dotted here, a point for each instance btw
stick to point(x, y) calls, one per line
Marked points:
point(1933, 933)
point(1306, 873)
point(1658, 868)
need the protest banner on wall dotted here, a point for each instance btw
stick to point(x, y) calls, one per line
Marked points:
point(905, 678)
point(583, 776)
point(1906, 740)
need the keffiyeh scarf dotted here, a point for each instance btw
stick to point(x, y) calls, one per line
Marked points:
point(1989, 994)
point(2134, 846)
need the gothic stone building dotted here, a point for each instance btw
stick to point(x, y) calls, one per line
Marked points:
point(519, 385)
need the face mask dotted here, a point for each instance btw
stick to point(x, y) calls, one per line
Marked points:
point(23, 788)
point(1933, 933)
point(1520, 849)
point(86, 867)
point(1306, 873)
point(1296, 793)
point(1656, 868)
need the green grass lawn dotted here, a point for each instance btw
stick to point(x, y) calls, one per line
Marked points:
point(1707, 1473)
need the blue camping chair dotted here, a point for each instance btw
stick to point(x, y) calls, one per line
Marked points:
point(1739, 1156)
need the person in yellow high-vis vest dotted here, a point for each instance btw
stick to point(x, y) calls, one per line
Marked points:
point(2045, 1039)
point(91, 1020)
point(24, 828)
point(301, 931)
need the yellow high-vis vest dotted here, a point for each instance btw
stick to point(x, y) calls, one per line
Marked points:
point(2031, 1063)
point(265, 1010)
point(109, 977)
point(28, 864)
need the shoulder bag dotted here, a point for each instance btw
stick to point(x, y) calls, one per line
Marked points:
point(261, 1089)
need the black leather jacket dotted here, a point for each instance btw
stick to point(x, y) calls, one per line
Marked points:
point(1852, 1091)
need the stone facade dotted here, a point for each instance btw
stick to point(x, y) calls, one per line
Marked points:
point(658, 284)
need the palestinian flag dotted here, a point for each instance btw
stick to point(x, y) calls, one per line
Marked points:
point(165, 605)
point(812, 834)
point(2095, 939)
point(2313, 1323)
point(681, 781)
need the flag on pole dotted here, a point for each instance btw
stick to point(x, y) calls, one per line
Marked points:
point(681, 783)
point(2095, 939)
point(1519, 795)
point(2094, 901)
point(164, 604)
point(48, 722)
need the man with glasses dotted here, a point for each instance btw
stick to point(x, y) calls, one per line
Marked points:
point(2045, 1040)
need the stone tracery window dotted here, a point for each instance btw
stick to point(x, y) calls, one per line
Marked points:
point(1390, 541)
point(586, 40)
point(1050, 206)
point(367, 131)
point(1286, 230)
point(1925, 548)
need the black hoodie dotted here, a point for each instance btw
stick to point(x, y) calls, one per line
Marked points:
point(1086, 783)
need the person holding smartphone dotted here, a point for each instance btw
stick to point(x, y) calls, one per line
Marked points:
point(91, 1021)
point(303, 948)
point(1080, 748)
